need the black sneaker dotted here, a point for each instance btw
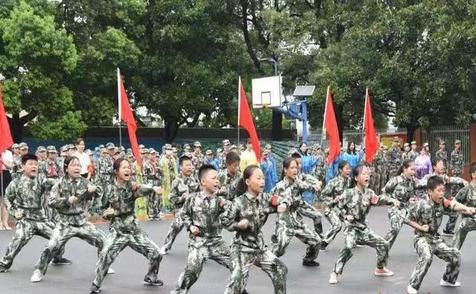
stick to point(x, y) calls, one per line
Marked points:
point(324, 246)
point(310, 263)
point(61, 261)
point(274, 238)
point(94, 290)
point(448, 233)
point(153, 282)
point(3, 269)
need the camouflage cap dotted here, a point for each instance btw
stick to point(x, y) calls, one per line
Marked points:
point(167, 147)
point(23, 145)
point(219, 150)
point(413, 143)
point(101, 146)
point(15, 145)
point(110, 145)
point(209, 152)
point(71, 146)
point(197, 144)
point(51, 149)
point(406, 145)
point(457, 141)
point(141, 146)
point(152, 151)
point(41, 149)
point(426, 144)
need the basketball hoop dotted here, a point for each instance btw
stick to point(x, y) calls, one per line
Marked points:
point(265, 106)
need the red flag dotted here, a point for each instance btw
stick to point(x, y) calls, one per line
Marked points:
point(125, 115)
point(371, 140)
point(6, 140)
point(245, 120)
point(331, 128)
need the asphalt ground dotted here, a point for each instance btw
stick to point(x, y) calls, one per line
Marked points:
point(130, 267)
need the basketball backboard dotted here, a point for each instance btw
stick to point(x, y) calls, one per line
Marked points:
point(266, 92)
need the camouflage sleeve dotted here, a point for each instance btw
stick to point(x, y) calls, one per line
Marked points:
point(284, 195)
point(175, 195)
point(390, 186)
point(328, 190)
point(345, 200)
point(56, 200)
point(462, 195)
point(229, 217)
point(384, 199)
point(10, 195)
point(186, 216)
point(456, 181)
point(145, 189)
point(414, 212)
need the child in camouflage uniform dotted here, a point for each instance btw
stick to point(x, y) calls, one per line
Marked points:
point(124, 229)
point(289, 222)
point(182, 187)
point(355, 205)
point(201, 216)
point(246, 216)
point(330, 196)
point(425, 217)
point(466, 196)
point(24, 198)
point(230, 176)
point(71, 197)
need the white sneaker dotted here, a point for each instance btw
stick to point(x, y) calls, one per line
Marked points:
point(163, 250)
point(333, 278)
point(36, 277)
point(110, 271)
point(411, 290)
point(444, 283)
point(385, 272)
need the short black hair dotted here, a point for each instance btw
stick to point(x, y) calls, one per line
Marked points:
point(435, 161)
point(27, 157)
point(232, 157)
point(203, 170)
point(296, 155)
point(472, 168)
point(433, 182)
point(183, 158)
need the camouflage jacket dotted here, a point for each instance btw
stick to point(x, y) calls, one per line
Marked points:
point(203, 211)
point(290, 194)
point(50, 169)
point(256, 211)
point(380, 161)
point(400, 188)
point(355, 206)
point(394, 156)
point(122, 199)
point(441, 155)
point(467, 196)
point(151, 174)
point(74, 214)
point(421, 184)
point(427, 212)
point(230, 183)
point(104, 169)
point(28, 195)
point(334, 188)
point(456, 162)
point(181, 188)
point(406, 155)
point(197, 161)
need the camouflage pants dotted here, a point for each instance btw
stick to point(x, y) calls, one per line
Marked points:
point(466, 225)
point(425, 248)
point(332, 216)
point(196, 258)
point(361, 236)
point(153, 205)
point(284, 233)
point(118, 241)
point(25, 230)
point(175, 228)
point(62, 233)
point(312, 213)
point(397, 219)
point(267, 261)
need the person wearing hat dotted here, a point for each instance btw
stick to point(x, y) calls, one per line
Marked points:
point(23, 148)
point(104, 173)
point(168, 166)
point(197, 156)
point(111, 149)
point(51, 168)
point(226, 148)
point(442, 153)
point(211, 159)
point(151, 176)
point(41, 154)
point(456, 167)
point(394, 158)
point(414, 152)
point(406, 152)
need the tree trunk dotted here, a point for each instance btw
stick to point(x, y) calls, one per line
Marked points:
point(411, 132)
point(170, 129)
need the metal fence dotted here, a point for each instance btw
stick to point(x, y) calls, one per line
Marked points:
point(449, 134)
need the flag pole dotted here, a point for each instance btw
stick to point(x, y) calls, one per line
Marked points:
point(365, 116)
point(324, 118)
point(119, 106)
point(239, 110)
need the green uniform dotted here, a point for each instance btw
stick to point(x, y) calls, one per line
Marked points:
point(355, 206)
point(427, 212)
point(466, 196)
point(151, 176)
point(230, 183)
point(125, 231)
point(72, 218)
point(202, 211)
point(182, 187)
point(248, 246)
point(394, 160)
point(25, 196)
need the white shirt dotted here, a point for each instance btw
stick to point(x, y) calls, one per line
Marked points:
point(84, 160)
point(7, 159)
